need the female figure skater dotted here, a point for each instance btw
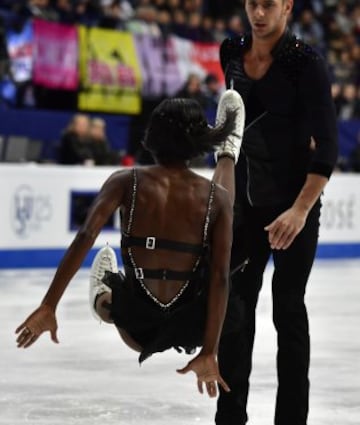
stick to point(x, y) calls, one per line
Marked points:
point(176, 240)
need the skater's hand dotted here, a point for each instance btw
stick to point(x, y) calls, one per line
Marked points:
point(284, 229)
point(41, 320)
point(207, 371)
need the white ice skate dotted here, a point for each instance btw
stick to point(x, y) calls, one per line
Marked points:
point(231, 100)
point(105, 260)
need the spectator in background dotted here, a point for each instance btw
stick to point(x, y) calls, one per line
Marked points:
point(336, 96)
point(160, 4)
point(65, 12)
point(212, 89)
point(42, 9)
point(87, 12)
point(192, 90)
point(344, 68)
point(219, 32)
point(173, 5)
point(101, 152)
point(164, 21)
point(235, 26)
point(334, 36)
point(75, 147)
point(194, 30)
point(342, 18)
point(207, 26)
point(179, 26)
point(309, 29)
point(191, 6)
point(84, 12)
point(144, 22)
point(350, 103)
point(115, 14)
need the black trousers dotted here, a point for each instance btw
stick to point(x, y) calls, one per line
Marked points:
point(291, 271)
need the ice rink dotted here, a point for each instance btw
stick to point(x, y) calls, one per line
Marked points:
point(93, 378)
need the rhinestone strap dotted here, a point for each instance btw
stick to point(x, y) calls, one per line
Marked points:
point(133, 201)
point(207, 218)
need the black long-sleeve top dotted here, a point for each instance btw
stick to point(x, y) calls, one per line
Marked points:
point(287, 107)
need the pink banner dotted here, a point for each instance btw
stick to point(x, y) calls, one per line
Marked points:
point(55, 55)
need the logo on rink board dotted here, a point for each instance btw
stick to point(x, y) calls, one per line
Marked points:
point(30, 210)
point(340, 213)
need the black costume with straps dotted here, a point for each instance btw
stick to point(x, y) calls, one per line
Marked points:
point(153, 325)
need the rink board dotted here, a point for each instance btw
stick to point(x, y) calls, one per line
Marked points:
point(42, 207)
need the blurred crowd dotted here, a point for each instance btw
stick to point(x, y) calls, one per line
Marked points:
point(84, 142)
point(209, 20)
point(330, 26)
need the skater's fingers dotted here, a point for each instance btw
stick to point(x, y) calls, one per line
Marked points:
point(200, 386)
point(223, 384)
point(31, 341)
point(211, 389)
point(20, 328)
point(21, 340)
point(21, 337)
point(25, 338)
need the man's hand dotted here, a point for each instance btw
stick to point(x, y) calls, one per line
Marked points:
point(284, 229)
point(41, 320)
point(207, 371)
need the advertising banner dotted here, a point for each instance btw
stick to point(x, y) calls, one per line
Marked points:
point(55, 55)
point(159, 66)
point(109, 72)
point(20, 48)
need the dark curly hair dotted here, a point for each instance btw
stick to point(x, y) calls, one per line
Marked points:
point(178, 131)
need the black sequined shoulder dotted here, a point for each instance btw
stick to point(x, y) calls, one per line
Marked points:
point(293, 56)
point(232, 48)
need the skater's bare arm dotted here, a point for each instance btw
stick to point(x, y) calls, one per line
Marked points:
point(205, 363)
point(224, 175)
point(108, 199)
point(43, 319)
point(221, 240)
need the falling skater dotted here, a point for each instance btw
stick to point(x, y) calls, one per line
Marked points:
point(176, 242)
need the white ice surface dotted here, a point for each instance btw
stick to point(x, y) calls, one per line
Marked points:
point(93, 378)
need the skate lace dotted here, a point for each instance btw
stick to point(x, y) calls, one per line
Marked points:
point(105, 264)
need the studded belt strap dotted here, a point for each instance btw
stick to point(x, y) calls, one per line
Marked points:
point(152, 242)
point(161, 274)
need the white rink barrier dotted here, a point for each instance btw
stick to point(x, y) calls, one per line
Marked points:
point(42, 206)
